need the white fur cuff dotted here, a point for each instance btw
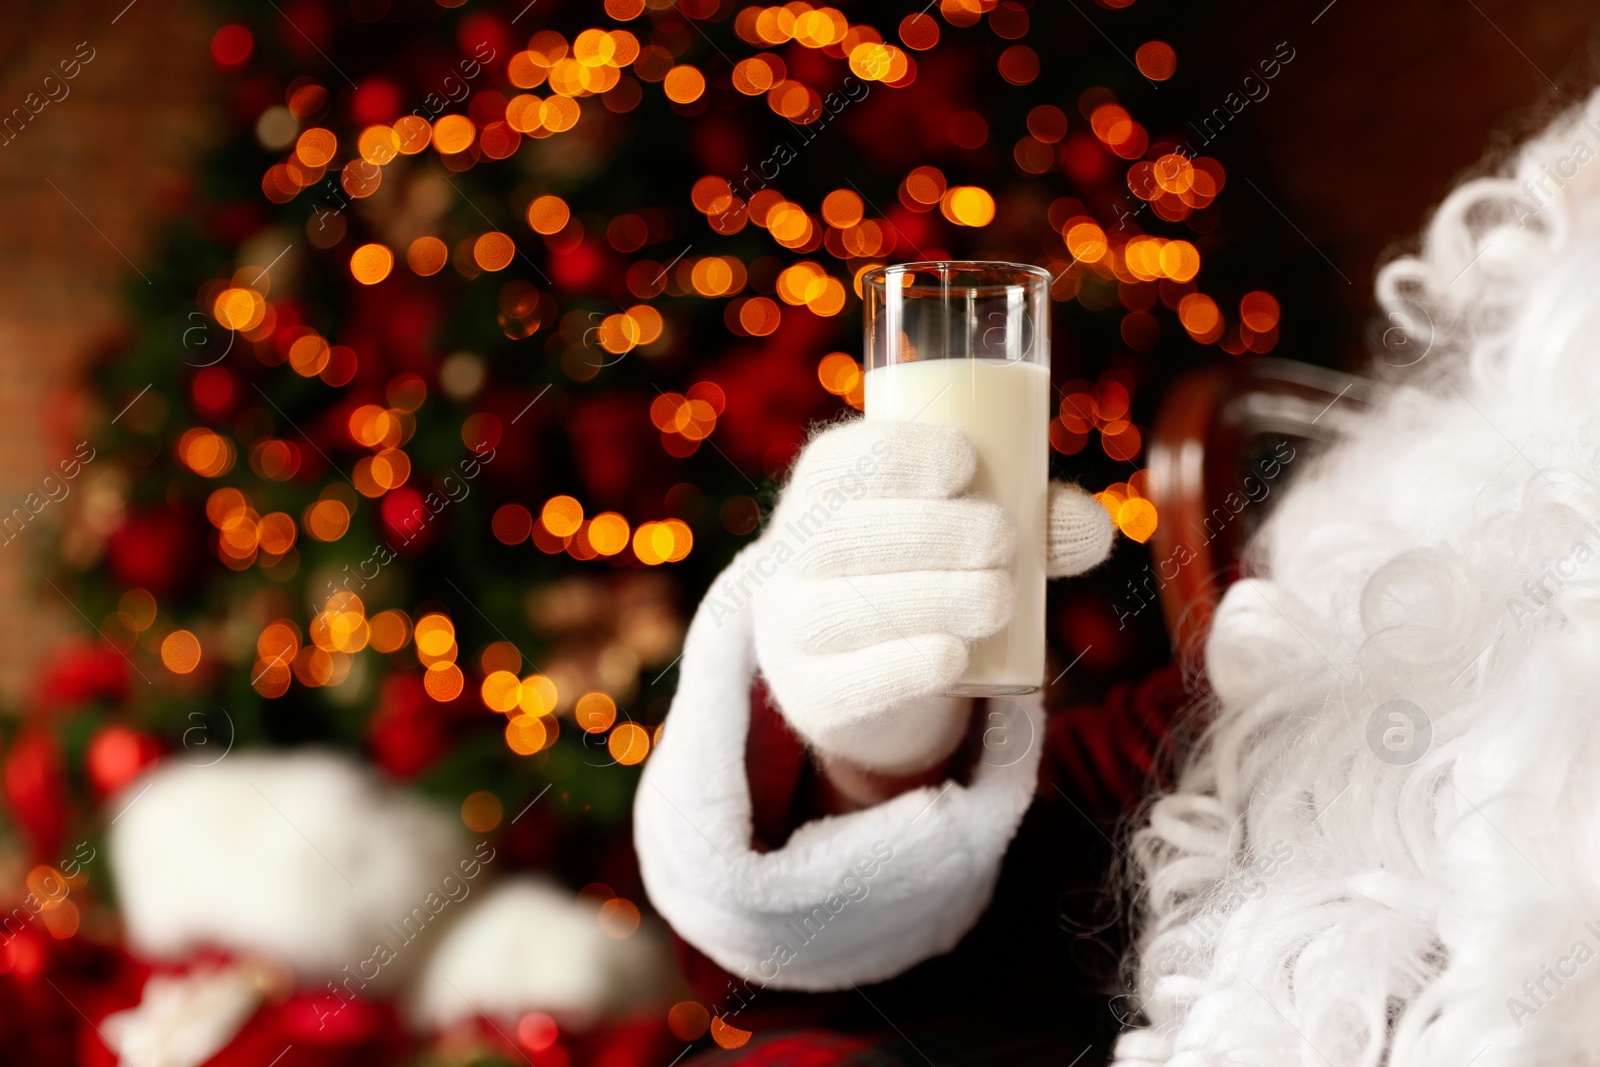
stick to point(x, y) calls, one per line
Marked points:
point(306, 858)
point(849, 899)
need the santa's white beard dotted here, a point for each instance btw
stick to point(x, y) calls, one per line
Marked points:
point(1387, 849)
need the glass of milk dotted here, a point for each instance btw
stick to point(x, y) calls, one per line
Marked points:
point(967, 344)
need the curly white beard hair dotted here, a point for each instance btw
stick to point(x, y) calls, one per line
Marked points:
point(1387, 848)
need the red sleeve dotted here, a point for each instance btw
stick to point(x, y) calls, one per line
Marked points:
point(783, 796)
point(778, 771)
point(1108, 756)
point(1100, 761)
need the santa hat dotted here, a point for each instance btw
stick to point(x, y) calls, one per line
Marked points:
point(303, 858)
point(308, 866)
point(532, 946)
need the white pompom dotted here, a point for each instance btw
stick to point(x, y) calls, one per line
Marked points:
point(304, 858)
point(184, 1020)
point(530, 945)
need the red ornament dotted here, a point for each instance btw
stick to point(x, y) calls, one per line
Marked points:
point(772, 392)
point(233, 224)
point(307, 28)
point(407, 733)
point(611, 438)
point(153, 549)
point(1085, 162)
point(537, 1031)
point(485, 38)
point(487, 107)
point(636, 1043)
point(231, 46)
point(411, 520)
point(36, 792)
point(213, 391)
point(44, 984)
point(375, 100)
point(721, 147)
point(913, 231)
point(578, 269)
point(80, 671)
point(398, 320)
point(117, 755)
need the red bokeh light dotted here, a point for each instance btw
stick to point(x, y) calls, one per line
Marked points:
point(231, 46)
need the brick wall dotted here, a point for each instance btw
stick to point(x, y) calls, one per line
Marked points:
point(79, 187)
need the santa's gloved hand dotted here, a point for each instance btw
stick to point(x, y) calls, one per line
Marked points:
point(882, 574)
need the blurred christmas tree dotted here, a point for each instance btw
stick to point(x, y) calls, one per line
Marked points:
point(475, 352)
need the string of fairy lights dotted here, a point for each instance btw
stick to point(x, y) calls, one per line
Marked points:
point(818, 252)
point(760, 255)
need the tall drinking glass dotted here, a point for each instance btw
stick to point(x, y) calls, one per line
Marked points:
point(967, 344)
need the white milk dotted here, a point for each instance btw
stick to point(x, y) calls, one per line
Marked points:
point(1004, 408)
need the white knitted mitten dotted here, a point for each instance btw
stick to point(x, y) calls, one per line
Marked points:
point(879, 575)
point(1078, 537)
